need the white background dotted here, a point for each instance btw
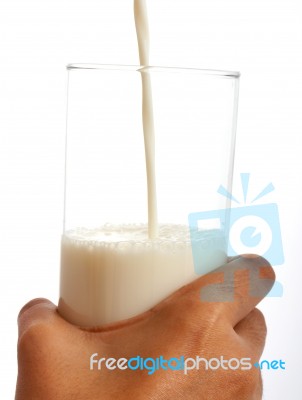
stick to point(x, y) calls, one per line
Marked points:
point(261, 38)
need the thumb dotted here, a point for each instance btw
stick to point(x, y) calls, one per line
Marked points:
point(245, 281)
point(230, 292)
point(36, 312)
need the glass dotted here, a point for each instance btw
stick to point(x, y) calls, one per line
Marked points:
point(110, 270)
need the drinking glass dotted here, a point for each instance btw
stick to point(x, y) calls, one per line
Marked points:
point(110, 269)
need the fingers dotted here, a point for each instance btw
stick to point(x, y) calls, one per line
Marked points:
point(244, 282)
point(33, 303)
point(252, 329)
point(37, 312)
point(232, 291)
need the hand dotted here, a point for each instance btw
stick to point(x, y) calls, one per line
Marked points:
point(54, 356)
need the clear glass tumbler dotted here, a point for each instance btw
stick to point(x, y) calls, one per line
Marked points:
point(110, 269)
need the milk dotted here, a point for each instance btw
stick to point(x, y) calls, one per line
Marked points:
point(142, 30)
point(114, 272)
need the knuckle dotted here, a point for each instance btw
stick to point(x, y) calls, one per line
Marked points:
point(32, 340)
point(258, 323)
point(258, 317)
point(32, 303)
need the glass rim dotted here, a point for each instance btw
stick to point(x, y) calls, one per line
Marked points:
point(142, 68)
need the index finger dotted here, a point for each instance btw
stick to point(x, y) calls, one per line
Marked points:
point(231, 291)
point(237, 287)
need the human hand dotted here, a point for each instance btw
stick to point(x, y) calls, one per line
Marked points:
point(54, 356)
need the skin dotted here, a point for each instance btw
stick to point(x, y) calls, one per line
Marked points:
point(53, 355)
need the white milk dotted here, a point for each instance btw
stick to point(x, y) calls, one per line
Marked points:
point(116, 272)
point(142, 30)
